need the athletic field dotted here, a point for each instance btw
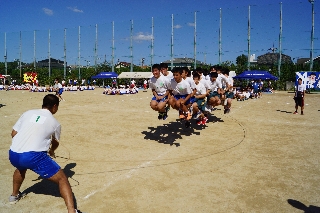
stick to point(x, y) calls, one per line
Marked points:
point(120, 158)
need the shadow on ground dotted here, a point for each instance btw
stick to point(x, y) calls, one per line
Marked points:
point(2, 105)
point(284, 111)
point(307, 209)
point(172, 131)
point(47, 187)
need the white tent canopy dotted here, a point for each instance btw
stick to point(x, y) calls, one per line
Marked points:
point(135, 75)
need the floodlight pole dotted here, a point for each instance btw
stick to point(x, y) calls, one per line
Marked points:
point(112, 57)
point(34, 50)
point(79, 52)
point(65, 54)
point(280, 42)
point(248, 66)
point(95, 50)
point(312, 36)
point(152, 43)
point(171, 41)
point(5, 54)
point(131, 47)
point(20, 54)
point(220, 35)
point(195, 41)
point(49, 54)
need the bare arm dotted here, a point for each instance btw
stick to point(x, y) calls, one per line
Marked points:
point(13, 133)
point(54, 146)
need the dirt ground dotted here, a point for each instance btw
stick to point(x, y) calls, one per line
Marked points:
point(120, 158)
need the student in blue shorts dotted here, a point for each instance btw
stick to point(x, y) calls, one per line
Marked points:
point(35, 135)
point(159, 86)
point(180, 91)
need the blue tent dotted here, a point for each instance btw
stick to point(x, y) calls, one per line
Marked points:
point(256, 74)
point(106, 75)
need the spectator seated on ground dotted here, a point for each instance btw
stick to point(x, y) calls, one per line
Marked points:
point(240, 95)
point(1, 87)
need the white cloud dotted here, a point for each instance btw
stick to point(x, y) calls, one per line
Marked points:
point(47, 11)
point(142, 37)
point(191, 24)
point(177, 26)
point(75, 9)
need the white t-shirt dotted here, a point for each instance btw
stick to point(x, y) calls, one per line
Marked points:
point(299, 90)
point(35, 128)
point(169, 75)
point(201, 89)
point(133, 82)
point(222, 79)
point(160, 85)
point(191, 82)
point(205, 83)
point(214, 85)
point(181, 88)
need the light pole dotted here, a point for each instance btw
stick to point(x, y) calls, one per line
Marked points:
point(312, 36)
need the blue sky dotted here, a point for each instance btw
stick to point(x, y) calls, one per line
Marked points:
point(42, 15)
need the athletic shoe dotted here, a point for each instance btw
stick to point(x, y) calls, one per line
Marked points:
point(198, 114)
point(165, 116)
point(160, 116)
point(78, 211)
point(295, 112)
point(204, 121)
point(187, 124)
point(14, 199)
point(225, 111)
point(199, 122)
point(167, 108)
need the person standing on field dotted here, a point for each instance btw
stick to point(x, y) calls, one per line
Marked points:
point(35, 136)
point(299, 96)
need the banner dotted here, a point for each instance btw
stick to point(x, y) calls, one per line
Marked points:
point(30, 77)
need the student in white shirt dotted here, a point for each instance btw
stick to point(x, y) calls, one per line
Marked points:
point(35, 135)
point(159, 87)
point(181, 93)
point(299, 96)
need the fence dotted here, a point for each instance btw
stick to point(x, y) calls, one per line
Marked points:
point(211, 36)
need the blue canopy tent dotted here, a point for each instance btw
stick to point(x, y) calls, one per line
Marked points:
point(256, 74)
point(104, 75)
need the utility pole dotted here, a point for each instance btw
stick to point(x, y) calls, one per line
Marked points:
point(171, 41)
point(248, 66)
point(49, 55)
point(312, 36)
point(220, 35)
point(280, 42)
point(112, 57)
point(79, 53)
point(5, 54)
point(65, 54)
point(131, 47)
point(195, 41)
point(152, 44)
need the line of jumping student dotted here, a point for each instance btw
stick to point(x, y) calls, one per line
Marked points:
point(192, 97)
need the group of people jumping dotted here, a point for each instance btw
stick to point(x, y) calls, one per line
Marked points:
point(194, 97)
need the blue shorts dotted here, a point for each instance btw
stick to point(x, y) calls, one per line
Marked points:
point(213, 94)
point(161, 100)
point(230, 95)
point(60, 91)
point(39, 162)
point(177, 97)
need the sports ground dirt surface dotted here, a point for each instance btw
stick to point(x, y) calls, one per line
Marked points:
point(120, 158)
